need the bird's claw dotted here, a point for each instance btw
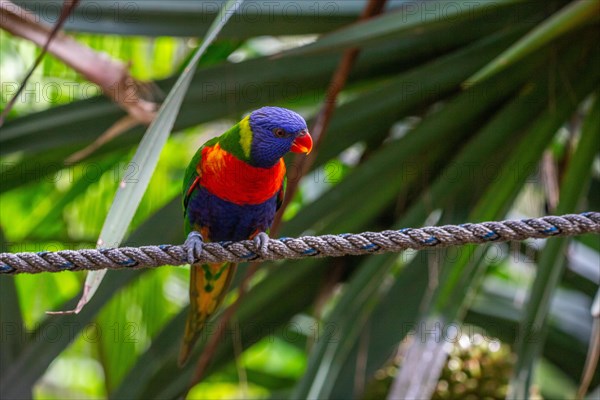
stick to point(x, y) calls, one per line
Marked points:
point(261, 241)
point(193, 244)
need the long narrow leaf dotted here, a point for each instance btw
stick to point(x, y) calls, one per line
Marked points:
point(130, 193)
point(371, 114)
point(497, 308)
point(22, 373)
point(484, 98)
point(414, 16)
point(156, 372)
point(80, 122)
point(573, 16)
point(187, 18)
point(360, 297)
point(17, 380)
point(44, 226)
point(350, 314)
point(460, 116)
point(13, 329)
point(460, 276)
point(552, 261)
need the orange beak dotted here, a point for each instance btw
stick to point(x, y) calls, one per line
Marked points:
point(302, 144)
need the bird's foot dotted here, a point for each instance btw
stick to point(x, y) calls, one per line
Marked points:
point(261, 241)
point(193, 244)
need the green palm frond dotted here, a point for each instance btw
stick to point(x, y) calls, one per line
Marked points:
point(446, 118)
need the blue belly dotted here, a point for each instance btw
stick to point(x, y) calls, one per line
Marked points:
point(226, 220)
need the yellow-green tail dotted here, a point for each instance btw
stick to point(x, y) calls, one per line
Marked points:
point(208, 286)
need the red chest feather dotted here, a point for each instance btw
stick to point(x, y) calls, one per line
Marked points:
point(231, 179)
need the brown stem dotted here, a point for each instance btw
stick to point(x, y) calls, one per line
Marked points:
point(112, 76)
point(338, 81)
point(5, 7)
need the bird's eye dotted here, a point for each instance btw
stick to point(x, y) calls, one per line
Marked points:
point(279, 132)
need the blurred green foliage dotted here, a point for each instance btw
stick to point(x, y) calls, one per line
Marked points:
point(410, 143)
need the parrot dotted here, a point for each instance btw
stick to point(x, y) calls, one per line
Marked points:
point(232, 188)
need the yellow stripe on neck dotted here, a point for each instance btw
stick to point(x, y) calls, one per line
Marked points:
point(246, 136)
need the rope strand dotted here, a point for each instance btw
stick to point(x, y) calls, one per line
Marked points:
point(306, 246)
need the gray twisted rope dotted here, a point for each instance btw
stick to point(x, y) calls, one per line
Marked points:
point(307, 246)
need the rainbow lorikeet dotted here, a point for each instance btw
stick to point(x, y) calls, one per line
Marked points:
point(233, 186)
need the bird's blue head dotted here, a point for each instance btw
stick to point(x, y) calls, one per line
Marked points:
point(276, 131)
